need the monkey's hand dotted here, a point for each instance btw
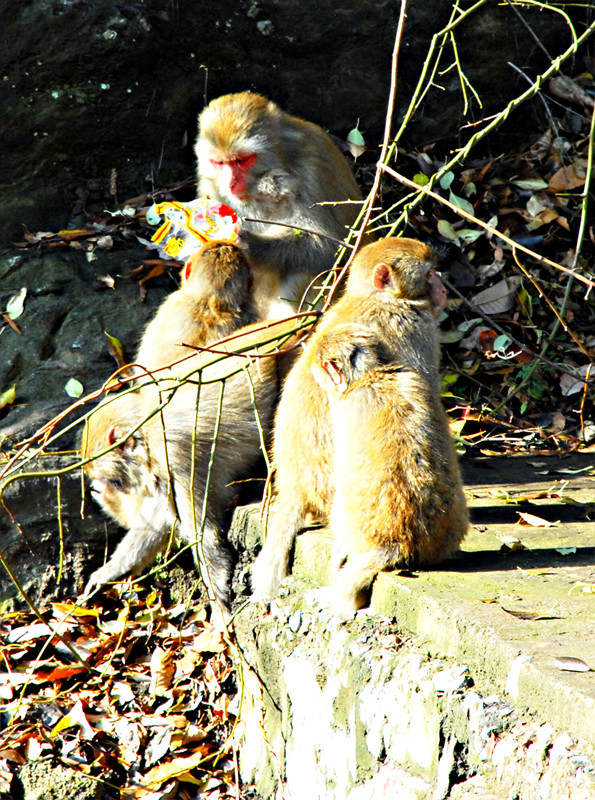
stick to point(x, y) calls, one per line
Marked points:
point(108, 572)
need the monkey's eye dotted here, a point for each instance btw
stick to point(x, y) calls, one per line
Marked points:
point(245, 161)
point(217, 163)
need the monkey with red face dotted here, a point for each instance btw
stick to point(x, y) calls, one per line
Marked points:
point(269, 165)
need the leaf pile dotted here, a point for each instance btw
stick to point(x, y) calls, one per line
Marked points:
point(148, 710)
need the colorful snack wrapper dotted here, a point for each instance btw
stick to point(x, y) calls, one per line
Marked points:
point(187, 226)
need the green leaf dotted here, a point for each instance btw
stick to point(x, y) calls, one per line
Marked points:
point(502, 341)
point(447, 179)
point(420, 179)
point(469, 323)
point(462, 203)
point(73, 388)
point(7, 398)
point(445, 229)
point(468, 235)
point(449, 337)
point(355, 136)
point(116, 349)
point(16, 304)
point(532, 184)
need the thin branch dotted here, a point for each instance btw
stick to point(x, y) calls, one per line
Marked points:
point(498, 120)
point(461, 212)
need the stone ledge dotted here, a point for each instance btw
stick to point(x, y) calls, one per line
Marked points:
point(459, 612)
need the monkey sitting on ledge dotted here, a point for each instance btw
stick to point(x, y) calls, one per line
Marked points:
point(268, 165)
point(398, 497)
point(394, 292)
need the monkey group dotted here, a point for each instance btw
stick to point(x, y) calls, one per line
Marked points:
point(359, 436)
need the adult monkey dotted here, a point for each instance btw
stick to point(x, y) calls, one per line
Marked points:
point(269, 165)
point(393, 291)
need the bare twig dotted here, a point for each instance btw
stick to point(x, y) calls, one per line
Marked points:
point(461, 212)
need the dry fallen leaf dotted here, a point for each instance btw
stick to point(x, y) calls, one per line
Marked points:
point(565, 179)
point(108, 280)
point(16, 304)
point(498, 298)
point(536, 522)
point(162, 671)
point(75, 718)
point(571, 664)
point(116, 349)
point(164, 772)
point(8, 397)
point(564, 87)
point(529, 615)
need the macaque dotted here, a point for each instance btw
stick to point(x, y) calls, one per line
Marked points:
point(214, 299)
point(144, 482)
point(398, 497)
point(394, 291)
point(153, 480)
point(268, 165)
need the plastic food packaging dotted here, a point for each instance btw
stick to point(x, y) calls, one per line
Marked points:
point(187, 226)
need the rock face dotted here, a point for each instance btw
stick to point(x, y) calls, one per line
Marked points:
point(100, 100)
point(67, 312)
point(353, 711)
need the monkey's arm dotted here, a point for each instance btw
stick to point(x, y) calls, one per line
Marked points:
point(140, 545)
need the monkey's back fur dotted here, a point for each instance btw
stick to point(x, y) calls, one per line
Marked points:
point(213, 300)
point(397, 478)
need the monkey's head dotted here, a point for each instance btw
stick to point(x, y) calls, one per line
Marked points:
point(345, 354)
point(124, 469)
point(219, 269)
point(404, 267)
point(234, 145)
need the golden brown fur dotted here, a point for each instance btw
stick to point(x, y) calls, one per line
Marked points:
point(145, 481)
point(269, 165)
point(213, 299)
point(146, 484)
point(394, 292)
point(398, 497)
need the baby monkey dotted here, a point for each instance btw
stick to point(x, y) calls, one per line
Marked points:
point(398, 496)
point(214, 298)
point(394, 292)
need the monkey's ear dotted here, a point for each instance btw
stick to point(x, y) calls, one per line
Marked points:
point(187, 269)
point(381, 277)
point(334, 374)
point(113, 434)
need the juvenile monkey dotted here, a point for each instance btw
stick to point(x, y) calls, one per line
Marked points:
point(398, 496)
point(394, 291)
point(157, 478)
point(214, 298)
point(269, 165)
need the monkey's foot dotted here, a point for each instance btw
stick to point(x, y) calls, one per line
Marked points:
point(267, 574)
